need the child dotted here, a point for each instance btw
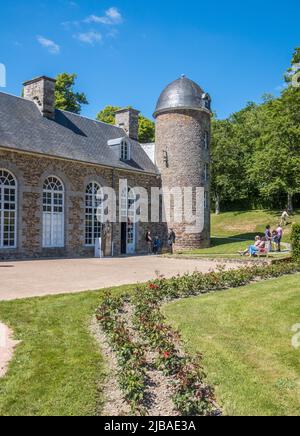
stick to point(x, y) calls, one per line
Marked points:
point(156, 245)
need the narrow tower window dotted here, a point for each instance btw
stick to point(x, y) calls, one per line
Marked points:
point(206, 140)
point(206, 200)
point(206, 172)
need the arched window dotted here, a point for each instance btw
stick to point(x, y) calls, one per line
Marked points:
point(53, 213)
point(128, 216)
point(93, 211)
point(8, 210)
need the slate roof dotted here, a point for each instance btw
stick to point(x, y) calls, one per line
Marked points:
point(69, 136)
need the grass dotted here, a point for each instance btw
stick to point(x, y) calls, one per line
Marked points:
point(247, 224)
point(245, 337)
point(235, 231)
point(58, 368)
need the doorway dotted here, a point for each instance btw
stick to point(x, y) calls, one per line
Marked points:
point(123, 238)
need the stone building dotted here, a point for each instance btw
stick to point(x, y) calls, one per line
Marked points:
point(53, 164)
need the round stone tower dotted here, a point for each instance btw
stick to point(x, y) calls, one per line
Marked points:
point(183, 131)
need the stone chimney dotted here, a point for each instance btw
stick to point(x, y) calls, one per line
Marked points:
point(42, 92)
point(128, 120)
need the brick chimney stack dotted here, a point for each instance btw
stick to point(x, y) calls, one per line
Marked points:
point(128, 120)
point(42, 92)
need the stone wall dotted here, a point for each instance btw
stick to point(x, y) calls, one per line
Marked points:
point(181, 156)
point(31, 171)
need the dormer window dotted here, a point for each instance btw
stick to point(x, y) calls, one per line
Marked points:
point(125, 150)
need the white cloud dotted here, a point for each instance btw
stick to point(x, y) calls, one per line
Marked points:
point(91, 37)
point(112, 17)
point(51, 46)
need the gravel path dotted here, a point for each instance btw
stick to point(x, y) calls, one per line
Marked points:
point(7, 346)
point(160, 388)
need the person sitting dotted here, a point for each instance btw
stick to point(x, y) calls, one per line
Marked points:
point(253, 248)
point(259, 249)
point(262, 247)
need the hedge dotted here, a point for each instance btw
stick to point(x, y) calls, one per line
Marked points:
point(296, 241)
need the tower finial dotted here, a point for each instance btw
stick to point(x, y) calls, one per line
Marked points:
point(183, 76)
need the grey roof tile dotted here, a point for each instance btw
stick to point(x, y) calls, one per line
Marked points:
point(68, 136)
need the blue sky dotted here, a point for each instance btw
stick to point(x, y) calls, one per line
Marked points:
point(126, 52)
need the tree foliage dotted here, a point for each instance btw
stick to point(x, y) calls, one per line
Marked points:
point(256, 151)
point(65, 96)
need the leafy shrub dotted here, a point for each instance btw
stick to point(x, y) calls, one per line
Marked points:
point(296, 241)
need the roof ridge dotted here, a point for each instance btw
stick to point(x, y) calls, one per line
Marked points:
point(92, 119)
point(63, 110)
point(16, 96)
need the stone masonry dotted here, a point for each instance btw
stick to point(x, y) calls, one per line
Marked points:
point(31, 171)
point(181, 155)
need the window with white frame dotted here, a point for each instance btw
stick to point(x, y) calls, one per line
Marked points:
point(206, 140)
point(125, 150)
point(128, 215)
point(8, 210)
point(93, 211)
point(53, 213)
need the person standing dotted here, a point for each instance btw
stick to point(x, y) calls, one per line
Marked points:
point(279, 237)
point(284, 218)
point(172, 240)
point(268, 236)
point(149, 242)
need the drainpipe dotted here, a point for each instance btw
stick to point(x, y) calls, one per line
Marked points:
point(113, 224)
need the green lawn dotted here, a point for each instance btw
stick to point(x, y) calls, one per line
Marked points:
point(245, 336)
point(58, 368)
point(247, 224)
point(235, 231)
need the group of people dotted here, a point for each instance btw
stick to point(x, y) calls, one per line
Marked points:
point(263, 245)
point(271, 241)
point(155, 245)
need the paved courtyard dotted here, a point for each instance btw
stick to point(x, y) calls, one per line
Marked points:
point(49, 277)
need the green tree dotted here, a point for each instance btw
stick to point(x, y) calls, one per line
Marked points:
point(293, 73)
point(65, 96)
point(146, 130)
point(107, 115)
point(146, 126)
point(276, 161)
point(228, 181)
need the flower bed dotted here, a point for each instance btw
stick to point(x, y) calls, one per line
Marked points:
point(130, 355)
point(192, 395)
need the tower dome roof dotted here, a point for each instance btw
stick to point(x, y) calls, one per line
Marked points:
point(183, 93)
